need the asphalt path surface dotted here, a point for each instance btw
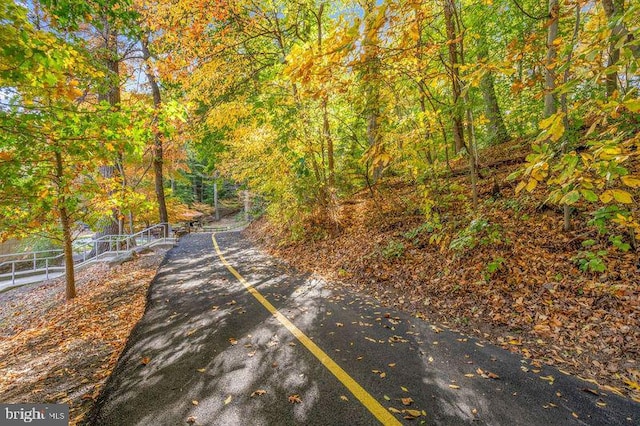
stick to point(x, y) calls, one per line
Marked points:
point(206, 344)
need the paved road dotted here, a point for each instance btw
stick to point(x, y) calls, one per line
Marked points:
point(205, 344)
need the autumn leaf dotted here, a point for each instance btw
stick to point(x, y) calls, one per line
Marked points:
point(146, 360)
point(414, 413)
point(191, 420)
point(344, 398)
point(227, 400)
point(295, 399)
point(549, 379)
point(258, 392)
point(406, 401)
point(194, 402)
point(631, 181)
point(233, 341)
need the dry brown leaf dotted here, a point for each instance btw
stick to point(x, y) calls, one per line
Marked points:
point(414, 413)
point(258, 392)
point(406, 401)
point(295, 399)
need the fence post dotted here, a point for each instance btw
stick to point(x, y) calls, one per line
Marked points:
point(46, 266)
point(34, 261)
point(13, 272)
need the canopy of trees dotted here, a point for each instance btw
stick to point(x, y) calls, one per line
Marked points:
point(305, 102)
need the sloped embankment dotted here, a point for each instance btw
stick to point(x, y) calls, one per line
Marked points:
point(509, 276)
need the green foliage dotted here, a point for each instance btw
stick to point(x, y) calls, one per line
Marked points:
point(426, 227)
point(617, 242)
point(479, 233)
point(393, 250)
point(589, 261)
point(495, 265)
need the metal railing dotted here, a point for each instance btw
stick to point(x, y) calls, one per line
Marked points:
point(29, 262)
point(47, 261)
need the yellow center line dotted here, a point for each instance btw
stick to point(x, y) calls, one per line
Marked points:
point(354, 387)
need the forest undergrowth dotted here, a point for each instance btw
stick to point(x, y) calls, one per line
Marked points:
point(506, 273)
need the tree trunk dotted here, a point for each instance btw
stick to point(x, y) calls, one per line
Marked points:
point(454, 73)
point(65, 223)
point(110, 224)
point(550, 103)
point(326, 126)
point(614, 10)
point(372, 85)
point(158, 155)
point(550, 106)
point(247, 205)
point(215, 199)
point(497, 130)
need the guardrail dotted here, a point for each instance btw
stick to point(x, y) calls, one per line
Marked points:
point(30, 263)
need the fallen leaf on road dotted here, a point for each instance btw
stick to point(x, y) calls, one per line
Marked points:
point(202, 370)
point(454, 386)
point(413, 413)
point(493, 376)
point(146, 360)
point(194, 402)
point(295, 399)
point(386, 397)
point(258, 392)
point(393, 364)
point(233, 341)
point(191, 420)
point(339, 324)
point(404, 389)
point(228, 400)
point(549, 379)
point(406, 401)
point(344, 398)
point(394, 410)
